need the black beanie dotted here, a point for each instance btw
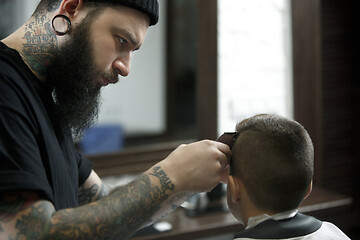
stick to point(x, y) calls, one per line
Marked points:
point(149, 7)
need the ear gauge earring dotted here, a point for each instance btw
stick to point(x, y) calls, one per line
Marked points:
point(61, 24)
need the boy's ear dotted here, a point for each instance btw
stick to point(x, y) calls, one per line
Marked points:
point(70, 7)
point(234, 188)
point(309, 190)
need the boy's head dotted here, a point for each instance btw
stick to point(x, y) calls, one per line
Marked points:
point(273, 159)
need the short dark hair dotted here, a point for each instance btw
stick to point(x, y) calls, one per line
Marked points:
point(149, 7)
point(274, 157)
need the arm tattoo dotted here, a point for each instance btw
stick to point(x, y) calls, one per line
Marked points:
point(86, 195)
point(164, 180)
point(36, 224)
point(168, 206)
point(116, 216)
point(10, 204)
point(104, 191)
point(93, 193)
point(30, 226)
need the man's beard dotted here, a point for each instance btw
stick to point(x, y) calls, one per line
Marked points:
point(72, 74)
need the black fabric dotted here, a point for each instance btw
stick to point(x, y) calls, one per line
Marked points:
point(300, 225)
point(34, 153)
point(149, 7)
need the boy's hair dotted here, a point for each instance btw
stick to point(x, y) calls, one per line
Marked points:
point(274, 157)
point(149, 7)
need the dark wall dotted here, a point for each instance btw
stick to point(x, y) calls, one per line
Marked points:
point(326, 91)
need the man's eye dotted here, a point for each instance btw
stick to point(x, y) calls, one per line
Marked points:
point(122, 40)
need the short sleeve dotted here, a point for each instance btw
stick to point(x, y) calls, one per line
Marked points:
point(20, 159)
point(85, 167)
point(35, 153)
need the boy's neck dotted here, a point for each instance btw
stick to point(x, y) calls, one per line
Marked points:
point(250, 213)
point(253, 221)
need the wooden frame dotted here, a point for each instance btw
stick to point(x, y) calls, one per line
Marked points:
point(307, 71)
point(207, 69)
point(326, 93)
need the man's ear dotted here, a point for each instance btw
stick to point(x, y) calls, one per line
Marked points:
point(234, 187)
point(70, 7)
point(309, 190)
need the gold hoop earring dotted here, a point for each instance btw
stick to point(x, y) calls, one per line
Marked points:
point(65, 19)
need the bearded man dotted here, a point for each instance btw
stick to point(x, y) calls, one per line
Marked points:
point(51, 72)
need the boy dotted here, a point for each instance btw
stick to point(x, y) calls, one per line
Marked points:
point(271, 173)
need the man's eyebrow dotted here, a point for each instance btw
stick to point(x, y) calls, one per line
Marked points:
point(129, 36)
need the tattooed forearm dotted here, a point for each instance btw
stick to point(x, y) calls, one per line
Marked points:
point(13, 202)
point(10, 204)
point(104, 191)
point(93, 193)
point(168, 206)
point(35, 224)
point(86, 195)
point(116, 216)
point(14, 208)
point(164, 180)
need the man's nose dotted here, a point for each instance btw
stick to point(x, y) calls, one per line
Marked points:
point(122, 65)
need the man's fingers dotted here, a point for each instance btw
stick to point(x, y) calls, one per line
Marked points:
point(226, 151)
point(225, 161)
point(224, 175)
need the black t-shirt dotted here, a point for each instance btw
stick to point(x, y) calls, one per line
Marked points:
point(34, 153)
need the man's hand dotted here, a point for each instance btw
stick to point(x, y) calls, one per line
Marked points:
point(197, 167)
